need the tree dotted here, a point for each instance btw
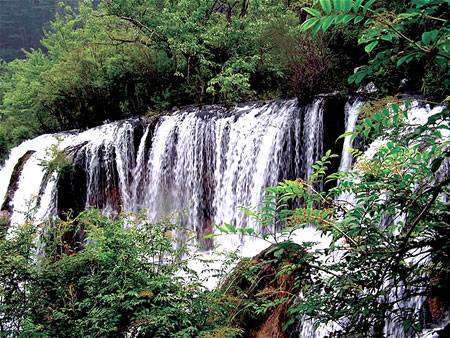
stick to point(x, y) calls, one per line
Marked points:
point(407, 37)
point(122, 58)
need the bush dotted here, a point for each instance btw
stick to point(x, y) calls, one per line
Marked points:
point(93, 276)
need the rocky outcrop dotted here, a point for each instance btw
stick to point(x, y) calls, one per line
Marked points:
point(14, 181)
point(71, 186)
point(262, 288)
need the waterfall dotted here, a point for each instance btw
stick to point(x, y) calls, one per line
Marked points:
point(200, 165)
point(351, 117)
point(397, 292)
point(204, 165)
point(23, 171)
point(313, 135)
point(108, 154)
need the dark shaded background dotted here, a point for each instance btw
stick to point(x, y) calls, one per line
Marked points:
point(22, 23)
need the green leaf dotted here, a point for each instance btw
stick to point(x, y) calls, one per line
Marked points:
point(370, 46)
point(326, 6)
point(346, 5)
point(312, 11)
point(368, 5)
point(308, 24)
point(316, 27)
point(429, 37)
point(347, 18)
point(358, 77)
point(407, 15)
point(326, 23)
point(405, 59)
point(387, 37)
point(358, 19)
point(357, 5)
point(337, 5)
point(344, 135)
point(339, 19)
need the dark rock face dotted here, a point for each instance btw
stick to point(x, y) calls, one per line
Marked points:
point(14, 182)
point(437, 305)
point(71, 188)
point(108, 184)
point(265, 284)
point(333, 127)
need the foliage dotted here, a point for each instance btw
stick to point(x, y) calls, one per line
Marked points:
point(93, 276)
point(387, 224)
point(397, 36)
point(123, 58)
point(58, 161)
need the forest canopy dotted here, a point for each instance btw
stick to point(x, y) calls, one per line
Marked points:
point(116, 59)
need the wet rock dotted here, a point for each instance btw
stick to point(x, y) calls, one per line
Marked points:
point(14, 182)
point(71, 187)
point(438, 301)
point(4, 222)
point(257, 281)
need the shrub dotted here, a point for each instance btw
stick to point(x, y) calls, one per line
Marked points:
point(93, 276)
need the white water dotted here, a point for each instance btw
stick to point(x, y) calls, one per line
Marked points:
point(313, 135)
point(417, 115)
point(203, 168)
point(36, 144)
point(351, 117)
point(200, 165)
point(27, 193)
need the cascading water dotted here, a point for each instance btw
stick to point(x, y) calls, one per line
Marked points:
point(201, 163)
point(204, 165)
point(397, 292)
point(23, 199)
point(313, 135)
point(351, 117)
point(209, 166)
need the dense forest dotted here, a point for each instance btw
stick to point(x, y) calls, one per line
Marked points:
point(90, 273)
point(122, 59)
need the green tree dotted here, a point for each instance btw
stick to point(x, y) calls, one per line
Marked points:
point(402, 39)
point(121, 58)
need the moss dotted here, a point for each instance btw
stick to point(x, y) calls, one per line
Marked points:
point(222, 332)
